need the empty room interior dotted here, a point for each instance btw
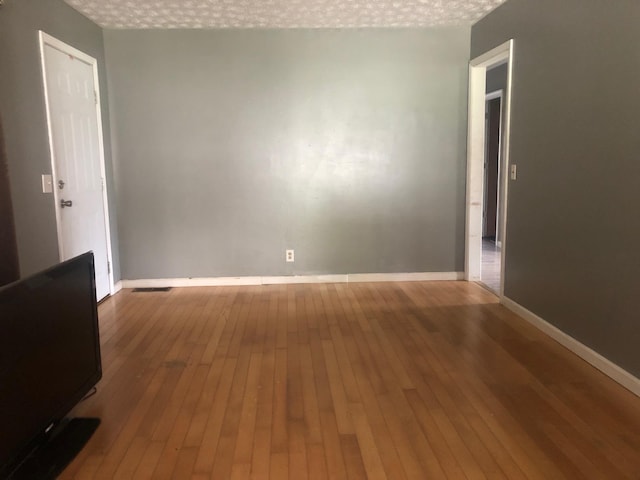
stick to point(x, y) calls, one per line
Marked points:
point(338, 239)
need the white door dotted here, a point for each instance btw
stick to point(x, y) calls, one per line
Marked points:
point(77, 157)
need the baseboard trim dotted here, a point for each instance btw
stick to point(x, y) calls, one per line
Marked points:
point(297, 279)
point(606, 366)
point(406, 277)
point(117, 287)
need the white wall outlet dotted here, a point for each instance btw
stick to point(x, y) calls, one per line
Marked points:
point(47, 184)
point(514, 172)
point(289, 255)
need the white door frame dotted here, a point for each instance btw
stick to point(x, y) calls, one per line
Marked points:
point(475, 157)
point(46, 39)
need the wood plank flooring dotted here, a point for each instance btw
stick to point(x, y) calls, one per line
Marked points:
point(379, 380)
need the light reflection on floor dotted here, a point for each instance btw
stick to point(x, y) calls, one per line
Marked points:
point(491, 265)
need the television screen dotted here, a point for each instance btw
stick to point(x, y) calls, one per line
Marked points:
point(49, 351)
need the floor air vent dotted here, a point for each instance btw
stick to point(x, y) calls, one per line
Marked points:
point(152, 289)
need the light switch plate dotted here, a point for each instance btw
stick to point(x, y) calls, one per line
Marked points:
point(47, 183)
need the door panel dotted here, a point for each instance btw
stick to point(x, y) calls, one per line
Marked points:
point(77, 175)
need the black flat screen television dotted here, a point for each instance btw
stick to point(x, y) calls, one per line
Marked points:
point(49, 354)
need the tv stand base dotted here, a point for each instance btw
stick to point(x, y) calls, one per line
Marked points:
point(61, 446)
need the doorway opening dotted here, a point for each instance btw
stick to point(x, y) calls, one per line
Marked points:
point(493, 195)
point(487, 165)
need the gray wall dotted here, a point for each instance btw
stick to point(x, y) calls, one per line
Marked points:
point(22, 109)
point(232, 146)
point(497, 78)
point(573, 226)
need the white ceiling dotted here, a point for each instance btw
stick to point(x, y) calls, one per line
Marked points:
point(282, 13)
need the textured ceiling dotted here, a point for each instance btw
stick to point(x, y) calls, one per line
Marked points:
point(282, 13)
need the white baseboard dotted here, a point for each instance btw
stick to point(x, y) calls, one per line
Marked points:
point(406, 277)
point(624, 378)
point(282, 280)
point(117, 287)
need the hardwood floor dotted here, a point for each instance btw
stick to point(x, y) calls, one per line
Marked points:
point(380, 381)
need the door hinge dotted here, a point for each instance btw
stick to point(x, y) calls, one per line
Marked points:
point(108, 267)
point(95, 97)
